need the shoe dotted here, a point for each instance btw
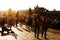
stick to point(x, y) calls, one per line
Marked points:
point(37, 37)
point(45, 38)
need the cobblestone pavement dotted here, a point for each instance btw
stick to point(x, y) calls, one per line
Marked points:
point(21, 33)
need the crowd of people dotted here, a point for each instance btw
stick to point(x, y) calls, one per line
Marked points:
point(36, 21)
point(6, 25)
point(41, 23)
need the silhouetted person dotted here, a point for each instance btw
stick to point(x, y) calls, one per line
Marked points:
point(16, 22)
point(30, 22)
point(26, 20)
point(36, 22)
point(44, 27)
point(2, 23)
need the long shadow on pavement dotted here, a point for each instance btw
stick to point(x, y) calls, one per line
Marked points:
point(26, 30)
point(54, 32)
point(20, 30)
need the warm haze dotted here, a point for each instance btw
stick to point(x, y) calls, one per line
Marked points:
point(25, 4)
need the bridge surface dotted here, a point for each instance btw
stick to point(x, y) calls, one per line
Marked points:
point(22, 33)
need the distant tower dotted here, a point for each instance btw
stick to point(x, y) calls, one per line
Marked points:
point(36, 8)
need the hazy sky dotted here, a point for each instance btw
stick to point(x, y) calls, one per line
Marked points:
point(25, 4)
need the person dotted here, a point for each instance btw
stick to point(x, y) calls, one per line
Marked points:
point(44, 27)
point(36, 23)
point(16, 22)
point(3, 27)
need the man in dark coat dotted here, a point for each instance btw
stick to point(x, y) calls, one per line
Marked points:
point(44, 27)
point(36, 23)
point(2, 23)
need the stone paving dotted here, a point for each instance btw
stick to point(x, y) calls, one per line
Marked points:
point(22, 33)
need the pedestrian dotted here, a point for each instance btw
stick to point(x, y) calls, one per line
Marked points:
point(3, 27)
point(44, 27)
point(36, 23)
